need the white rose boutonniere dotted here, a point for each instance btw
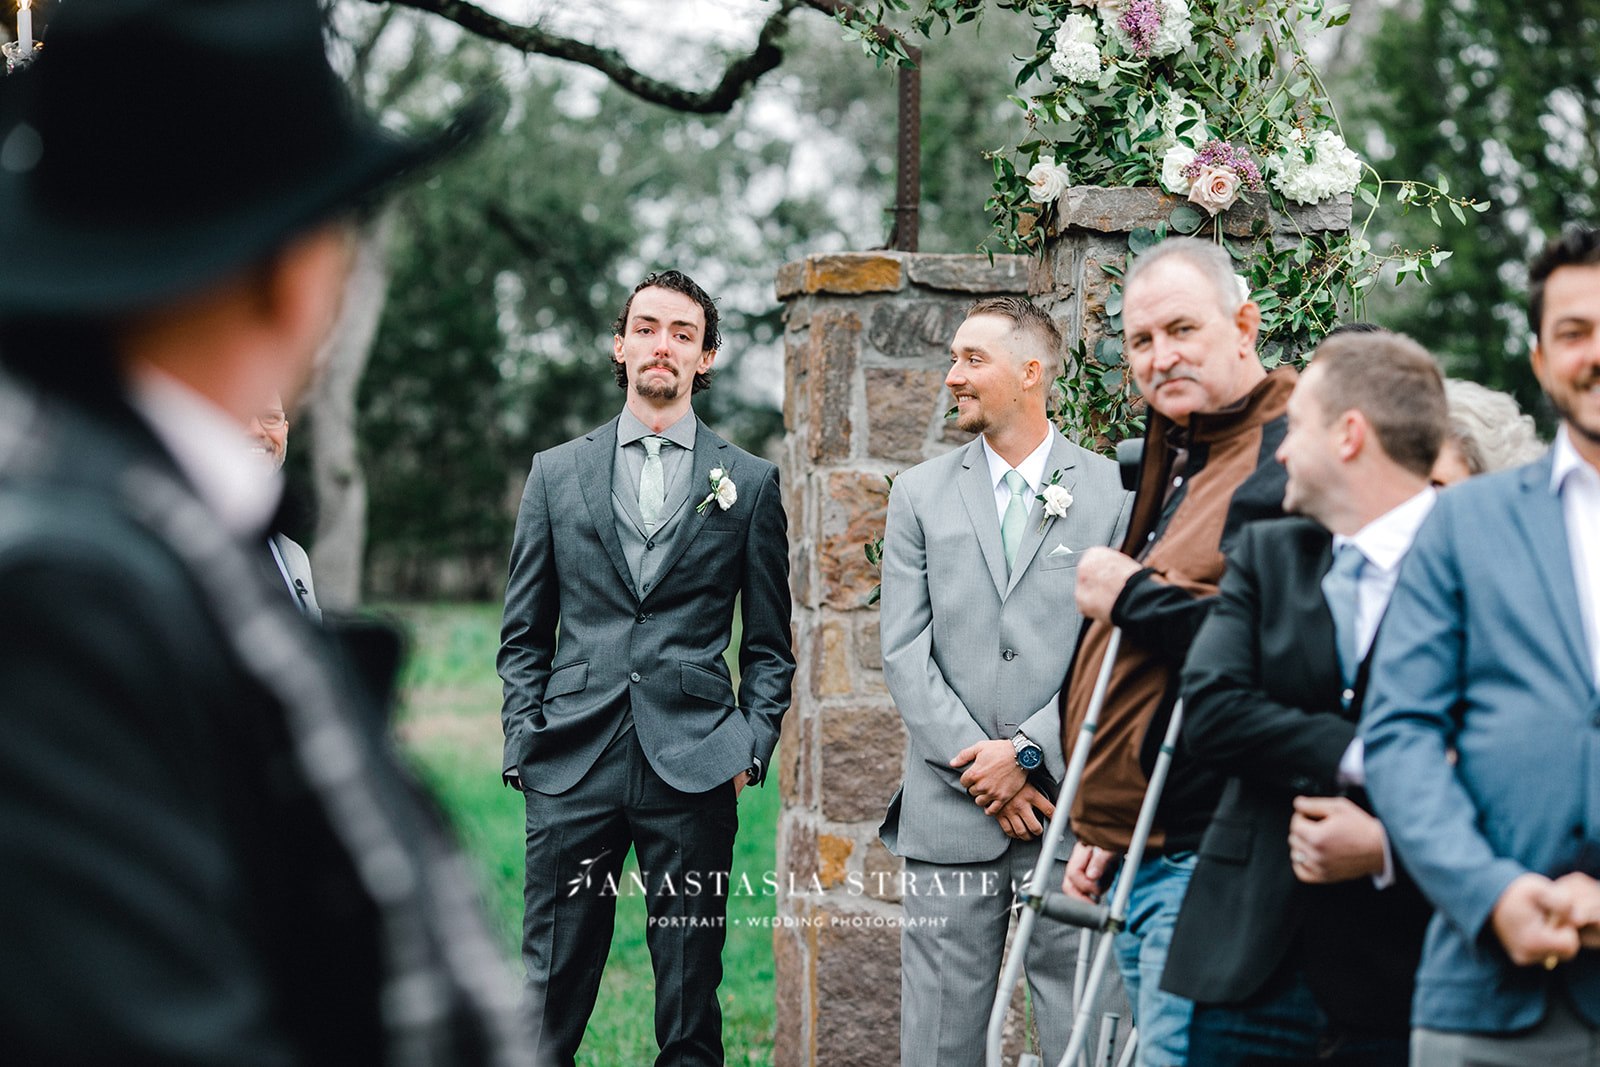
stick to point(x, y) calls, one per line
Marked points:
point(723, 491)
point(1055, 498)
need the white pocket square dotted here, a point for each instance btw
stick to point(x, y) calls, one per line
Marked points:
point(1059, 550)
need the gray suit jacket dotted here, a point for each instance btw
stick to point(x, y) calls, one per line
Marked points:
point(1483, 654)
point(299, 577)
point(968, 653)
point(655, 650)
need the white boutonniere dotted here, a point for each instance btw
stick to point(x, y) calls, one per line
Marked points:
point(723, 491)
point(1055, 498)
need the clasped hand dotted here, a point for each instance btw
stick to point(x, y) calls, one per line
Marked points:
point(1000, 787)
point(1546, 921)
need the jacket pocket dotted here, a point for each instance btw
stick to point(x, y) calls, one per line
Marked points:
point(572, 678)
point(707, 685)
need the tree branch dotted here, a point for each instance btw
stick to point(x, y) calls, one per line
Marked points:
point(740, 74)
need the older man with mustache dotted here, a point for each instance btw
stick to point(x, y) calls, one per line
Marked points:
point(1216, 418)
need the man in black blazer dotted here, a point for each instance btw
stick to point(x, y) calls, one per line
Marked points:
point(209, 853)
point(636, 539)
point(1297, 939)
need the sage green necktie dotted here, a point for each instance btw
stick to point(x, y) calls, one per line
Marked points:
point(1015, 519)
point(652, 484)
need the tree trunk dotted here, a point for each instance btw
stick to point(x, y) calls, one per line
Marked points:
point(340, 486)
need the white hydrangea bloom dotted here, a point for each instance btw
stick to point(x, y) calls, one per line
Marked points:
point(1176, 32)
point(1172, 163)
point(1077, 52)
point(1334, 169)
point(1178, 110)
point(1047, 180)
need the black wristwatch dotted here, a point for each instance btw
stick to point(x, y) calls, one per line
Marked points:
point(1029, 755)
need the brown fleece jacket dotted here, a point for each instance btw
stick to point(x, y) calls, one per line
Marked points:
point(1229, 477)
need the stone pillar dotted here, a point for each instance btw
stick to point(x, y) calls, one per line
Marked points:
point(866, 350)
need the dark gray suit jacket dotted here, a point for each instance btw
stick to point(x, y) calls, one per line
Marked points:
point(655, 652)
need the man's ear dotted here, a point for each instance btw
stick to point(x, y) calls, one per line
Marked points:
point(707, 357)
point(1536, 360)
point(1354, 433)
point(1248, 321)
point(1032, 373)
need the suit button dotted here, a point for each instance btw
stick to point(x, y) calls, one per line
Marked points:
point(634, 677)
point(650, 544)
point(1348, 695)
point(641, 617)
point(1008, 655)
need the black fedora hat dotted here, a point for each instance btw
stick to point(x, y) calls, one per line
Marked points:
point(156, 145)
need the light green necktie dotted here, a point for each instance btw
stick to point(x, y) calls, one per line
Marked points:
point(1015, 519)
point(652, 484)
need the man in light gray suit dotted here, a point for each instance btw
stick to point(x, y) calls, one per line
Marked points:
point(978, 627)
point(636, 539)
point(1482, 726)
point(269, 442)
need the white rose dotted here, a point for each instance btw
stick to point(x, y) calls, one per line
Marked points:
point(717, 474)
point(1332, 171)
point(727, 493)
point(1172, 164)
point(1215, 189)
point(1077, 53)
point(1056, 500)
point(1047, 180)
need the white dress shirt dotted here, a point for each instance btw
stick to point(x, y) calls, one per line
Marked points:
point(1031, 469)
point(210, 447)
point(1578, 484)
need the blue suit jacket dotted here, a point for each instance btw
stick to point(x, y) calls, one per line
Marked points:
point(1484, 653)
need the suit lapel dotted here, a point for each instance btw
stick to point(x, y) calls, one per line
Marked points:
point(595, 461)
point(1063, 459)
point(1544, 527)
point(709, 451)
point(977, 493)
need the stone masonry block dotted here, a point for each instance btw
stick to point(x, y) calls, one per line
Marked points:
point(970, 273)
point(830, 660)
point(880, 872)
point(869, 648)
point(915, 329)
point(852, 511)
point(858, 748)
point(833, 858)
point(901, 406)
point(854, 272)
point(835, 346)
point(797, 976)
point(858, 992)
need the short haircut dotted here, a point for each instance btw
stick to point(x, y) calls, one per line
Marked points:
point(1395, 383)
point(1206, 257)
point(1030, 320)
point(1489, 429)
point(1579, 246)
point(1353, 327)
point(677, 282)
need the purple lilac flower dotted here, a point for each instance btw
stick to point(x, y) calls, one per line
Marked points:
point(1223, 154)
point(1141, 21)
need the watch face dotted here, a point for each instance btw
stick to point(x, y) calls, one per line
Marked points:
point(1030, 757)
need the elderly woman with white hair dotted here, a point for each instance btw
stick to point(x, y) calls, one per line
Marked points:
point(1488, 432)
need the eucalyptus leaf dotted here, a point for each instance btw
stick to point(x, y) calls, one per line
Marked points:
point(1186, 219)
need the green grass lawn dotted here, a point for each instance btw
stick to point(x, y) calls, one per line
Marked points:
point(450, 726)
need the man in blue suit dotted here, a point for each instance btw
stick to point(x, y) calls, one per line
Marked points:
point(1483, 721)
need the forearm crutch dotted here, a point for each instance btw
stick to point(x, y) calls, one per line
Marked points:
point(1041, 870)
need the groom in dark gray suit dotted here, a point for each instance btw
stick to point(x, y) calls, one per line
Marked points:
point(636, 539)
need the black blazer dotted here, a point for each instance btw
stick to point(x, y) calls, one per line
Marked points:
point(175, 888)
point(1262, 704)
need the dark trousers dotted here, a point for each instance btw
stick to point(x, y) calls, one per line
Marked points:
point(1283, 1026)
point(575, 847)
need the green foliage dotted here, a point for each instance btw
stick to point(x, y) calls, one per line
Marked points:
point(1501, 95)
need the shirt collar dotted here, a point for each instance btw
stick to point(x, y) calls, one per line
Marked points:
point(680, 433)
point(1386, 539)
point(210, 448)
point(1564, 460)
point(1031, 468)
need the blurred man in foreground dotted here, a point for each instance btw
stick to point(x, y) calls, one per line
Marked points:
point(210, 853)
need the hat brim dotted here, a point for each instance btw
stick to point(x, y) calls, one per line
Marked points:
point(61, 266)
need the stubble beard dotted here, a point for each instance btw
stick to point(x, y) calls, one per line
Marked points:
point(656, 388)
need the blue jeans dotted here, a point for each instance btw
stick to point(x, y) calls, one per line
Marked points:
point(1283, 1027)
point(1162, 1019)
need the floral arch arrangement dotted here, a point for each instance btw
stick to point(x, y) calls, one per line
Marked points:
point(1213, 101)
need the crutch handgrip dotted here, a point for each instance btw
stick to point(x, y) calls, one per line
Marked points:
point(1065, 909)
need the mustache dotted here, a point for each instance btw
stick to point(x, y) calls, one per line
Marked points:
point(1171, 376)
